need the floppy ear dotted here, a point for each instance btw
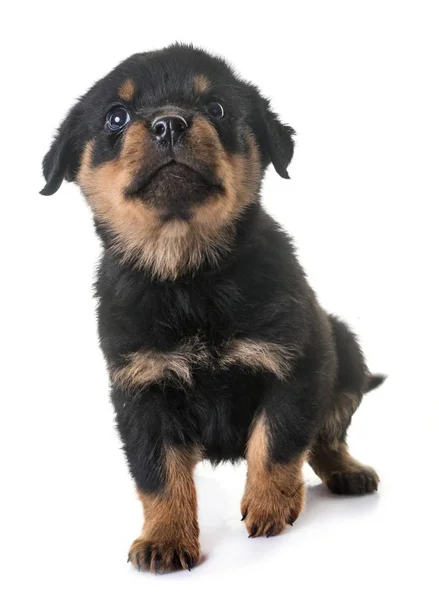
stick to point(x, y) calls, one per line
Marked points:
point(62, 160)
point(280, 142)
point(275, 138)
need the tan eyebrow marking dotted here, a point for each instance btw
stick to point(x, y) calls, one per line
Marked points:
point(126, 90)
point(255, 354)
point(201, 84)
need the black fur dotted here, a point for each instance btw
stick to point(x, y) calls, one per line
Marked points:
point(257, 291)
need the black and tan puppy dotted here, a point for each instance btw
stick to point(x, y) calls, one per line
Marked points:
point(216, 346)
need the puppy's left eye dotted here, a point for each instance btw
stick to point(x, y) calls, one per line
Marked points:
point(215, 110)
point(117, 118)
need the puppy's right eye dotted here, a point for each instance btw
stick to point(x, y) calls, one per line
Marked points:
point(117, 118)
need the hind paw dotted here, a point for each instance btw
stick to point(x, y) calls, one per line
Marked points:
point(363, 480)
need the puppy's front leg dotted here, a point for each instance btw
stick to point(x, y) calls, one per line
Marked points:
point(277, 448)
point(169, 538)
point(162, 451)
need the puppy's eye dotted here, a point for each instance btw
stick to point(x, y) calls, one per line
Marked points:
point(215, 110)
point(117, 118)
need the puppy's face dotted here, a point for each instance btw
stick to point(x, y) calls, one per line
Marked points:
point(169, 150)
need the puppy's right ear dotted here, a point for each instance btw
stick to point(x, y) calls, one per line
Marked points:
point(62, 160)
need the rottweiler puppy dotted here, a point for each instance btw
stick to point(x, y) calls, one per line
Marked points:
point(216, 346)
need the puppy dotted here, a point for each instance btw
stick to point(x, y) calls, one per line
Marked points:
point(216, 345)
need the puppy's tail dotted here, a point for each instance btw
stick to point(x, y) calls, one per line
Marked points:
point(373, 381)
point(353, 373)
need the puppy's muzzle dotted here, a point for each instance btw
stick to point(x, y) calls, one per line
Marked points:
point(169, 129)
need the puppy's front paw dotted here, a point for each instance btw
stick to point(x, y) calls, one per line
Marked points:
point(361, 480)
point(164, 556)
point(267, 512)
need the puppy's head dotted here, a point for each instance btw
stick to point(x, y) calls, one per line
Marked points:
point(169, 149)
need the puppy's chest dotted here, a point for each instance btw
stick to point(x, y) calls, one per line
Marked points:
point(189, 336)
point(183, 314)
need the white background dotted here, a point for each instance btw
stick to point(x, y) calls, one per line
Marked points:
point(359, 82)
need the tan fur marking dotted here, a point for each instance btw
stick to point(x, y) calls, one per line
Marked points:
point(330, 457)
point(256, 355)
point(339, 470)
point(239, 174)
point(338, 417)
point(126, 90)
point(201, 84)
point(148, 366)
point(170, 248)
point(170, 527)
point(275, 493)
point(326, 461)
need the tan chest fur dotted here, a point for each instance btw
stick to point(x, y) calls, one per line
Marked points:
point(150, 366)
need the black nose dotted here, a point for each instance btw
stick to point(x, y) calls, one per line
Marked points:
point(169, 129)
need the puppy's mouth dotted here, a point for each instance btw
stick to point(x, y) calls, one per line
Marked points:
point(176, 175)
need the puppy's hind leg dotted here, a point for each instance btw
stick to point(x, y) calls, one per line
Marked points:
point(330, 457)
point(339, 470)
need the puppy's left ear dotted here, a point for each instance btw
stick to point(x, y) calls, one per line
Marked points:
point(62, 160)
point(275, 138)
